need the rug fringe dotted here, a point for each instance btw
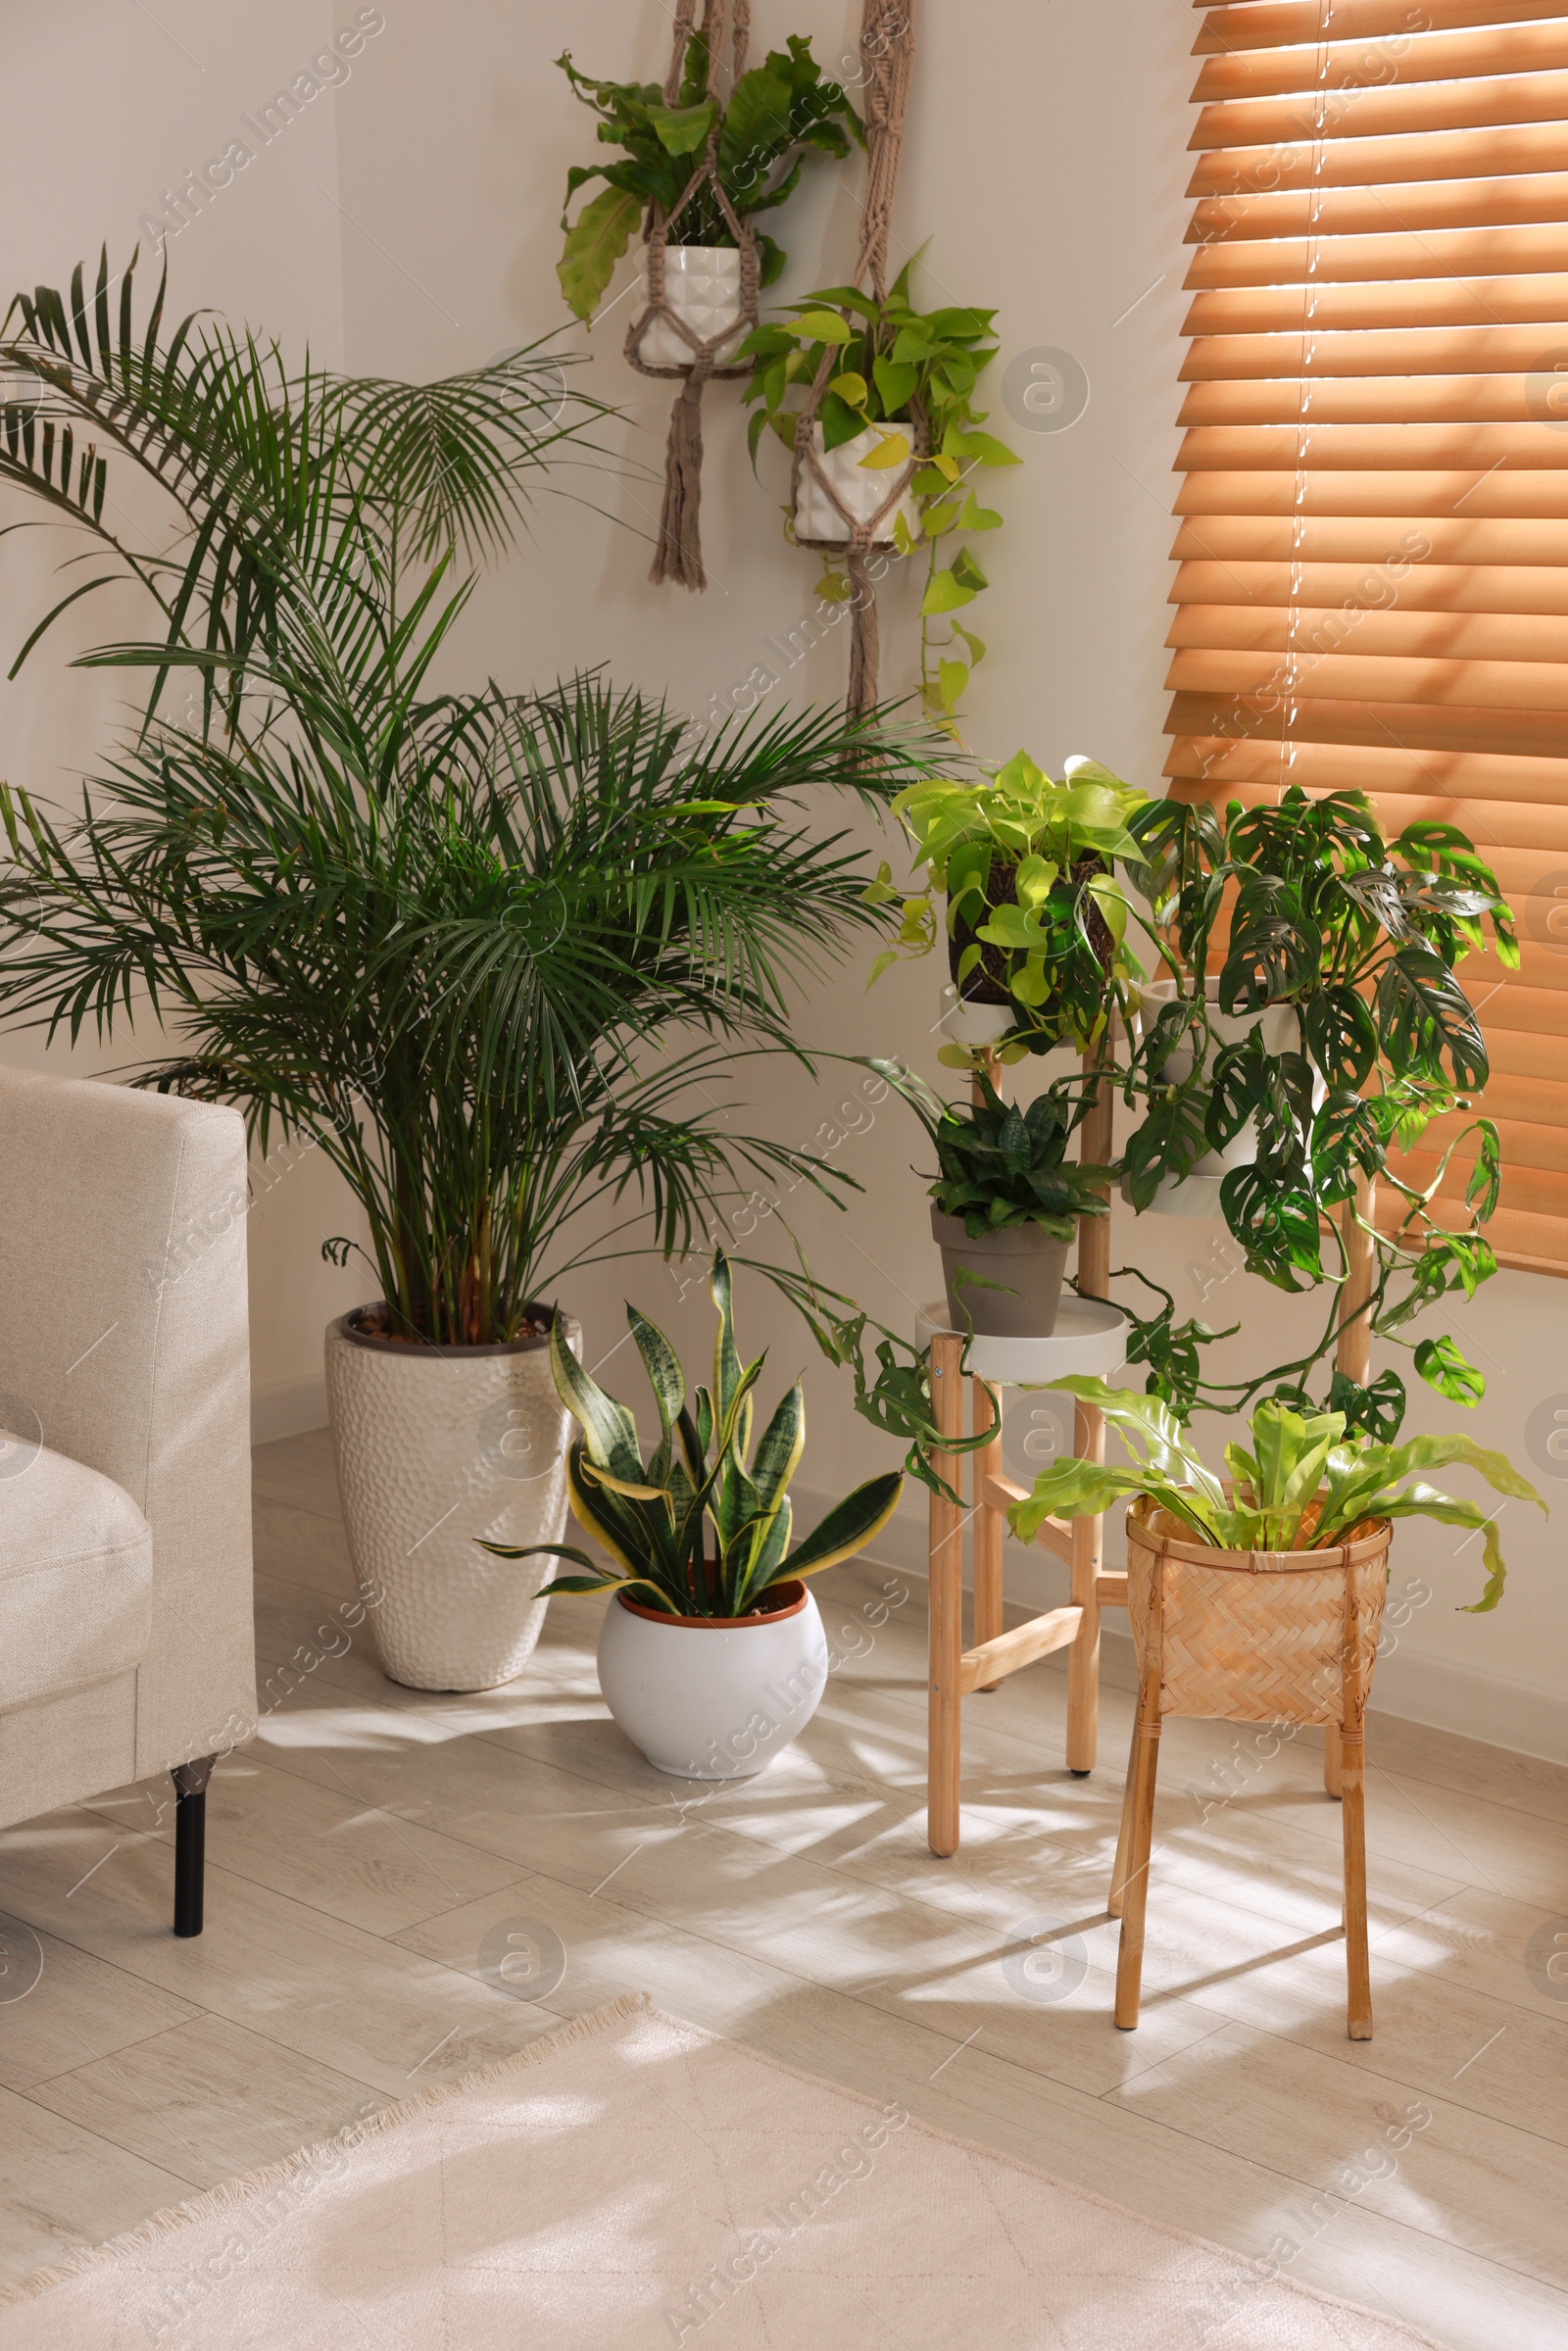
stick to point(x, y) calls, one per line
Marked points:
point(592, 2024)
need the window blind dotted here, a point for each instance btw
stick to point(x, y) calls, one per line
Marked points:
point(1372, 588)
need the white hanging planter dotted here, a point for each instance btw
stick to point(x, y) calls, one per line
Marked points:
point(862, 488)
point(1197, 1193)
point(437, 1447)
point(713, 1699)
point(703, 289)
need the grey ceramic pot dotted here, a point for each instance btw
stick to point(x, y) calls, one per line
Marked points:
point(1029, 1260)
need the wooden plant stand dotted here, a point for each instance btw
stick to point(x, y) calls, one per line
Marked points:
point(1089, 1339)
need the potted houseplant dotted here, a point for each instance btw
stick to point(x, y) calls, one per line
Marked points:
point(1258, 1598)
point(775, 116)
point(893, 388)
point(1036, 919)
point(1005, 1202)
point(1305, 1057)
point(484, 951)
point(1306, 1481)
point(712, 1655)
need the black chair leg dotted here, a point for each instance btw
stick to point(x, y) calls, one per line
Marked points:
point(190, 1840)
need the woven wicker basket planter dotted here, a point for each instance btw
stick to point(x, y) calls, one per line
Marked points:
point(1248, 1636)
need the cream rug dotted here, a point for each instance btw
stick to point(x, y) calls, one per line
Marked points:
point(632, 2183)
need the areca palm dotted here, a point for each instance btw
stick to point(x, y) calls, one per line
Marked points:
point(495, 953)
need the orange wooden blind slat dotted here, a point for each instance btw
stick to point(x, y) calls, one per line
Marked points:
point(1249, 23)
point(1418, 205)
point(1361, 163)
point(1517, 398)
point(1348, 69)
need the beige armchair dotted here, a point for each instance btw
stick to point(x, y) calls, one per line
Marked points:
point(125, 1628)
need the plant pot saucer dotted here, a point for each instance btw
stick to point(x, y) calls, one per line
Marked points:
point(1089, 1340)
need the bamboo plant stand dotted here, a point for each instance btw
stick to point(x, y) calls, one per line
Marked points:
point(1089, 1339)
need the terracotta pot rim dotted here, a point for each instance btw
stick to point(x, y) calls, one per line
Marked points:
point(722, 1624)
point(424, 1352)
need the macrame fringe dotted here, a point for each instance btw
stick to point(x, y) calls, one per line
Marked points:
point(678, 555)
point(864, 642)
point(679, 552)
point(887, 47)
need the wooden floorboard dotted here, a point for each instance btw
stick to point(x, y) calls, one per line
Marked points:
point(366, 1852)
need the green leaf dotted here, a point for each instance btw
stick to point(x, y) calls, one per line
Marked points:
point(847, 1529)
point(976, 645)
point(968, 572)
point(608, 1428)
point(889, 449)
point(954, 676)
point(822, 326)
point(1442, 1367)
point(981, 445)
point(779, 1447)
point(682, 130)
point(945, 594)
point(895, 384)
point(595, 243)
point(976, 517)
point(663, 1367)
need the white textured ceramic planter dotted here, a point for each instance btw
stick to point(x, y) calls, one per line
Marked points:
point(713, 1699)
point(702, 287)
point(436, 1447)
point(1197, 1193)
point(862, 488)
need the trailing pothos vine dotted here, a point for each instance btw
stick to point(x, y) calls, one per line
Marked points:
point(907, 377)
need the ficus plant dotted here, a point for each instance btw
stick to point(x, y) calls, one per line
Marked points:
point(908, 376)
point(1036, 917)
point(1304, 1481)
point(1304, 904)
point(703, 1526)
point(776, 115)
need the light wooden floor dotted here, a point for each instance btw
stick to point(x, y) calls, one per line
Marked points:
point(359, 1853)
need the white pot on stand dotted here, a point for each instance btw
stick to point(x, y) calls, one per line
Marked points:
point(703, 288)
point(1197, 1193)
point(714, 1697)
point(862, 488)
point(437, 1447)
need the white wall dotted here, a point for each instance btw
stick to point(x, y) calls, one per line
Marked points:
point(1045, 162)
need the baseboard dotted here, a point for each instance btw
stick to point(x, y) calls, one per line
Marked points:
point(1474, 1705)
point(287, 1410)
point(1465, 1700)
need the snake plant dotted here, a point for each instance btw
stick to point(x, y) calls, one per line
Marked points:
point(1303, 1484)
point(702, 1528)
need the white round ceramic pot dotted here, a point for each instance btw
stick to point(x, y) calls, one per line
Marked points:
point(436, 1447)
point(862, 488)
point(712, 1697)
point(703, 289)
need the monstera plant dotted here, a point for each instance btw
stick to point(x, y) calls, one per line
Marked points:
point(1304, 909)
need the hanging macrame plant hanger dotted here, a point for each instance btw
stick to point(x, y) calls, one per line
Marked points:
point(886, 49)
point(678, 554)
